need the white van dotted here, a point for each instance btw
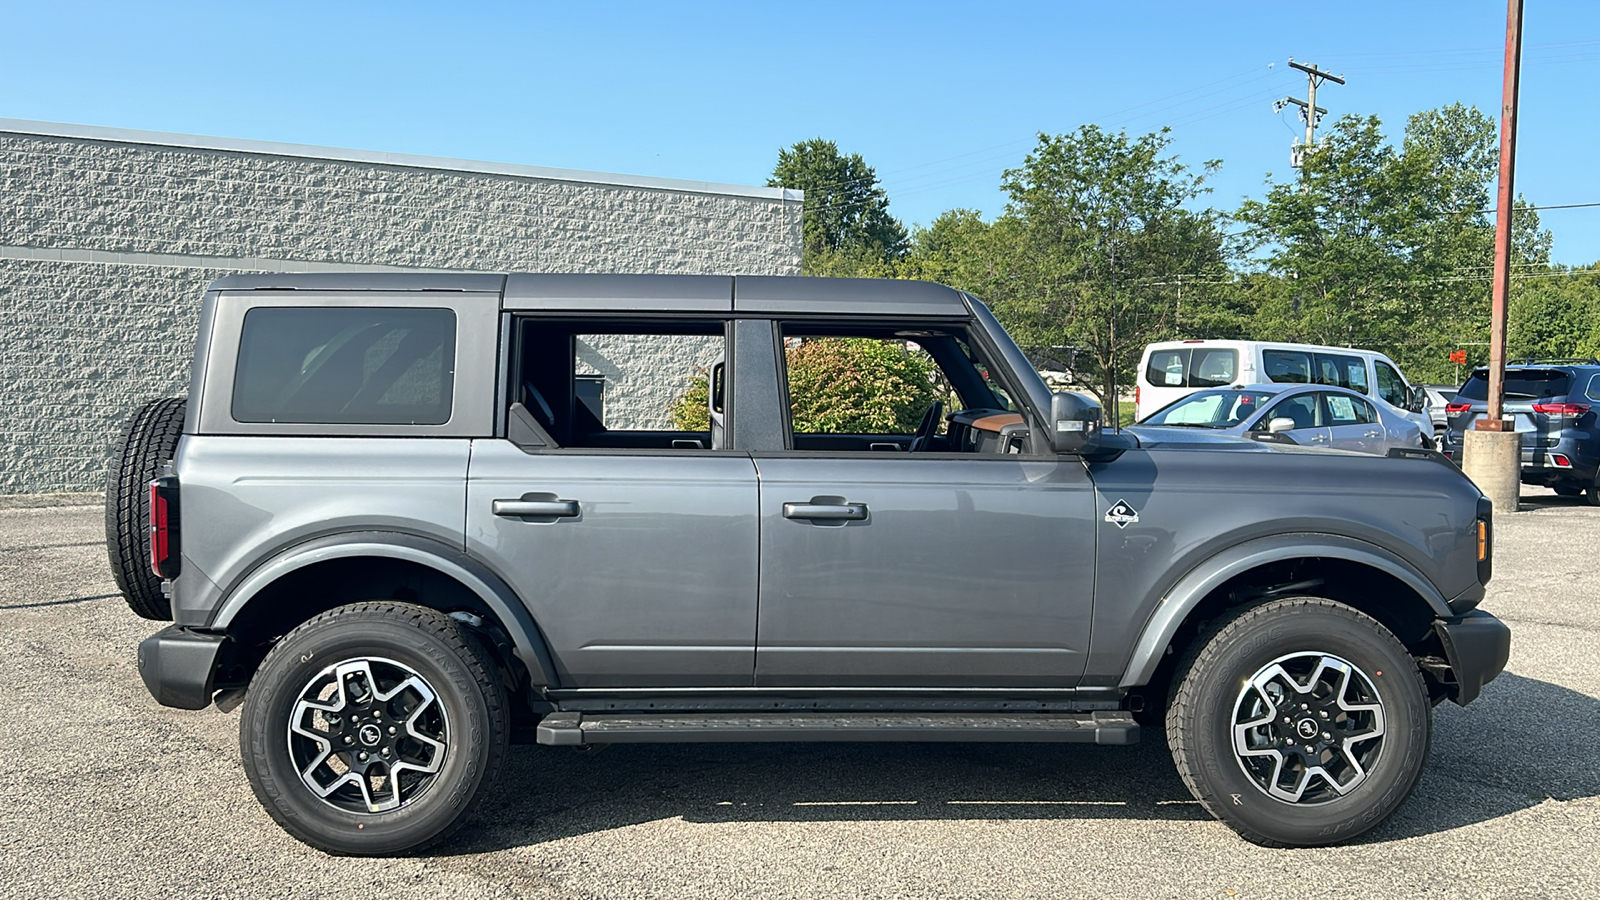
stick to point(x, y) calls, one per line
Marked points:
point(1173, 369)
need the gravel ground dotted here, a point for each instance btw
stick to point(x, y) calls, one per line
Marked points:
point(110, 795)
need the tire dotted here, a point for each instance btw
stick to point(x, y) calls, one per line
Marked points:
point(1369, 761)
point(147, 443)
point(1567, 489)
point(453, 745)
point(1592, 495)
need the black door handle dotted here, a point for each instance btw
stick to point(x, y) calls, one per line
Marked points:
point(562, 509)
point(834, 512)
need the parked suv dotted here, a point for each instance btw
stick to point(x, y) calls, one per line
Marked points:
point(1553, 405)
point(400, 518)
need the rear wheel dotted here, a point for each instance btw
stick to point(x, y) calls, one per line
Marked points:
point(374, 729)
point(1300, 722)
point(149, 441)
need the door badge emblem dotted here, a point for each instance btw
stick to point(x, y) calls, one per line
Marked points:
point(1122, 515)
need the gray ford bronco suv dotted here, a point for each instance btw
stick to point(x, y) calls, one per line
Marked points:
point(404, 519)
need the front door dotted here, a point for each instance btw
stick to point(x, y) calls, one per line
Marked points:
point(885, 569)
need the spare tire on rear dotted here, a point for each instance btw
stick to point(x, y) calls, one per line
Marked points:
point(148, 443)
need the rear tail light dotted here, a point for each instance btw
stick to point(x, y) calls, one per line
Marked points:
point(1454, 408)
point(1135, 395)
point(164, 550)
point(1561, 409)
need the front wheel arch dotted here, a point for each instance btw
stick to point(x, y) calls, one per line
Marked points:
point(1409, 605)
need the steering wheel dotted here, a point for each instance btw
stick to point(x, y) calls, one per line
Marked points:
point(927, 428)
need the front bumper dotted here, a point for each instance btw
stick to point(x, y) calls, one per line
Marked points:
point(179, 666)
point(1476, 646)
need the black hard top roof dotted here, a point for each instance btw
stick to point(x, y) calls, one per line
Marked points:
point(621, 293)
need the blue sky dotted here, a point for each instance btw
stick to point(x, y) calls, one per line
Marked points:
point(939, 97)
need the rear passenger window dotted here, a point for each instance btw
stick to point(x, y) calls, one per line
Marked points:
point(1346, 410)
point(345, 366)
point(1342, 371)
point(623, 385)
point(1593, 392)
point(1289, 366)
point(645, 382)
point(1192, 367)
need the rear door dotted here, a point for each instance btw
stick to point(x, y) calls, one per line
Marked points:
point(1353, 424)
point(614, 509)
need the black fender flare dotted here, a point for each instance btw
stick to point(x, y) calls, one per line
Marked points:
point(1175, 606)
point(527, 641)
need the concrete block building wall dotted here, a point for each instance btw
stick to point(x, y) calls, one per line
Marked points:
point(108, 238)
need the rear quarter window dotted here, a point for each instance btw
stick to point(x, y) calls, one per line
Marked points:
point(349, 366)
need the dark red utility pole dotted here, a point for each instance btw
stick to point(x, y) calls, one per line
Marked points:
point(1502, 221)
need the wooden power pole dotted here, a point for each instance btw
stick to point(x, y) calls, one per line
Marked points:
point(1309, 110)
point(1491, 453)
point(1494, 421)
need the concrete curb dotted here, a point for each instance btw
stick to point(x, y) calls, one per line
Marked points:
point(39, 501)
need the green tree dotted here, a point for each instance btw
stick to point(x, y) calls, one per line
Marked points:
point(846, 228)
point(1098, 229)
point(1555, 317)
point(1385, 247)
point(840, 385)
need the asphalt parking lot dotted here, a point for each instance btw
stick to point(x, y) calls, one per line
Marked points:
point(105, 794)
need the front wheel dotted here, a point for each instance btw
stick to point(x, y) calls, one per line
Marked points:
point(374, 729)
point(1300, 722)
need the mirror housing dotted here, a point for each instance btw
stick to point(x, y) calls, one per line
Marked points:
point(1074, 423)
point(1417, 399)
point(1280, 424)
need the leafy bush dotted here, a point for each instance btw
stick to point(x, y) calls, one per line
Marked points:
point(840, 386)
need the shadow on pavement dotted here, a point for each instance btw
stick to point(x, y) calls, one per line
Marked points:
point(1522, 742)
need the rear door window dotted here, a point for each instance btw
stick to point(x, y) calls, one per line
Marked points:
point(1593, 392)
point(1287, 366)
point(1192, 367)
point(1342, 371)
point(345, 366)
point(1346, 410)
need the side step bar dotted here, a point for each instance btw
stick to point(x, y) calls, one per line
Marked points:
point(576, 729)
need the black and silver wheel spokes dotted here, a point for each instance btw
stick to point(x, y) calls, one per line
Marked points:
point(368, 735)
point(1308, 727)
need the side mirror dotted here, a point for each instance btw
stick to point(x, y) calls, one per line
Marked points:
point(1417, 400)
point(1280, 425)
point(1074, 422)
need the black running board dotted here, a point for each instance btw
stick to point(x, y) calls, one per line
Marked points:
point(574, 729)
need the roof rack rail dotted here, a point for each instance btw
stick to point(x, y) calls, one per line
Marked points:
point(1556, 361)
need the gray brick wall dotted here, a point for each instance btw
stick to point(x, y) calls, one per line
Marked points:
point(146, 225)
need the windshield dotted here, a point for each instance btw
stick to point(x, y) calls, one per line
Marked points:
point(1211, 409)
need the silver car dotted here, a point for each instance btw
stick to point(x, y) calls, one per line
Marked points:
point(1312, 415)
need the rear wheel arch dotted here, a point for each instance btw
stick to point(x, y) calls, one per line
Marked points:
point(1360, 575)
point(335, 570)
